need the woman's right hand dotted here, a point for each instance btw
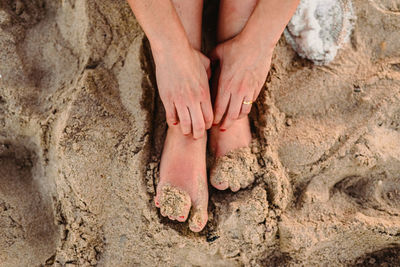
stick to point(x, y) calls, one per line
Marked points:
point(182, 80)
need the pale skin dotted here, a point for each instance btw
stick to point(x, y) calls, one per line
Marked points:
point(247, 34)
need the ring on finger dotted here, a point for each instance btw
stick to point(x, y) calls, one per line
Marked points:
point(247, 102)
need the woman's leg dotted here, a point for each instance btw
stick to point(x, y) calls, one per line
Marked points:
point(183, 177)
point(233, 16)
point(232, 19)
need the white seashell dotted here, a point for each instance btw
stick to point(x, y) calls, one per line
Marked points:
point(319, 28)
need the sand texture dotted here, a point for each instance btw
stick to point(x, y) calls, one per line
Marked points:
point(81, 133)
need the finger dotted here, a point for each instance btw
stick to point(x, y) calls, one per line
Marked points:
point(233, 112)
point(246, 107)
point(208, 70)
point(215, 54)
point(221, 103)
point(197, 121)
point(184, 119)
point(206, 63)
point(170, 114)
point(208, 115)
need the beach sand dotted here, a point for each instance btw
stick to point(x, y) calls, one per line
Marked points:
point(82, 128)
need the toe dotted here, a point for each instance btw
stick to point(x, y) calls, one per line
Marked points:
point(234, 185)
point(198, 218)
point(173, 202)
point(218, 181)
point(247, 179)
point(184, 215)
point(162, 211)
point(220, 185)
point(157, 201)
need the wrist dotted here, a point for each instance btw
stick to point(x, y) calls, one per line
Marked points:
point(162, 48)
point(264, 43)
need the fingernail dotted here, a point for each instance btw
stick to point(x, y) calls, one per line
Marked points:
point(181, 217)
point(175, 123)
point(214, 124)
point(222, 130)
point(157, 203)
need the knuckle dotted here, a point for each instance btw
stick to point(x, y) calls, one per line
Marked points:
point(199, 127)
point(208, 118)
point(169, 116)
point(208, 62)
point(185, 123)
point(242, 89)
point(219, 109)
point(203, 93)
point(232, 116)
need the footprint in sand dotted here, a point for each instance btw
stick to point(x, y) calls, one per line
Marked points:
point(27, 230)
point(389, 256)
point(380, 191)
point(387, 6)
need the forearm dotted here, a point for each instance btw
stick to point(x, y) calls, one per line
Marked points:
point(161, 24)
point(272, 16)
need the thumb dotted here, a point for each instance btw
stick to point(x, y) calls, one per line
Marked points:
point(214, 54)
point(206, 63)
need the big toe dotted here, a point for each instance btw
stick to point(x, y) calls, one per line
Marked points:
point(173, 202)
point(198, 217)
point(218, 179)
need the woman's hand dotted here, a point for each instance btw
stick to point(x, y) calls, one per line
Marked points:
point(244, 65)
point(182, 80)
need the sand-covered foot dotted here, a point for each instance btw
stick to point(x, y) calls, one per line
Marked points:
point(234, 164)
point(183, 180)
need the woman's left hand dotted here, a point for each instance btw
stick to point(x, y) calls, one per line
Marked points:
point(244, 65)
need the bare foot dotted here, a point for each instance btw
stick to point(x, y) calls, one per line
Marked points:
point(183, 179)
point(234, 163)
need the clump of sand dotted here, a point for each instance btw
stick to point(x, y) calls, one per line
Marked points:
point(319, 28)
point(81, 133)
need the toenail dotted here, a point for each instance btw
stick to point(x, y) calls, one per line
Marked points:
point(157, 203)
point(222, 130)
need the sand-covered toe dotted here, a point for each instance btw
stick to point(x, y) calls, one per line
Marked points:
point(234, 170)
point(198, 218)
point(174, 202)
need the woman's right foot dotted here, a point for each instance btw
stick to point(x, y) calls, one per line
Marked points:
point(183, 179)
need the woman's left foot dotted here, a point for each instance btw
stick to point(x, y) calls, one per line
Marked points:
point(234, 163)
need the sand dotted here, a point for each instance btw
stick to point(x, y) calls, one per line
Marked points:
point(82, 127)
